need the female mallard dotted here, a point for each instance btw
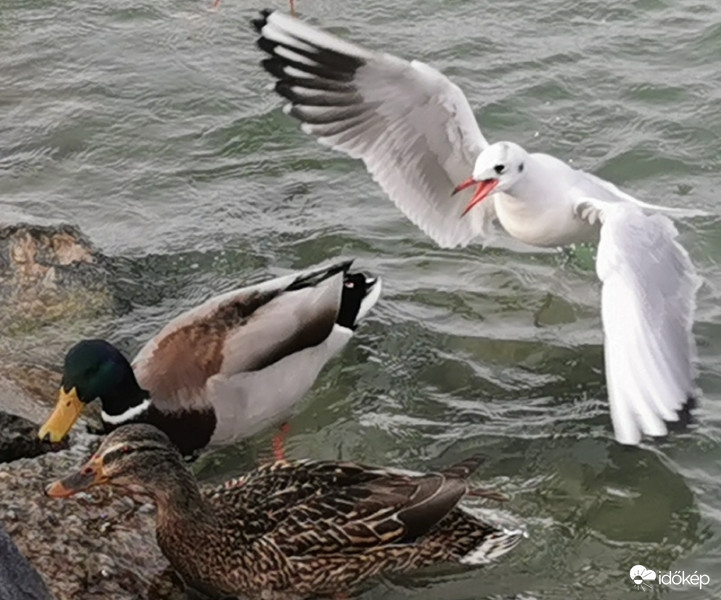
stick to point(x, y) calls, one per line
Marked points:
point(291, 530)
point(222, 370)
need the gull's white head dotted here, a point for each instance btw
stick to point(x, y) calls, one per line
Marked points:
point(497, 169)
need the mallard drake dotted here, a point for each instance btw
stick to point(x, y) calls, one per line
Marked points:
point(223, 370)
point(292, 530)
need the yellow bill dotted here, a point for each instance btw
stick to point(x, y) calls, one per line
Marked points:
point(67, 410)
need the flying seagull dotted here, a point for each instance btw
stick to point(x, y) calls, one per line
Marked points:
point(416, 133)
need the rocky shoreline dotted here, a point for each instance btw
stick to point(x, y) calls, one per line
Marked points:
point(18, 579)
point(96, 546)
point(19, 439)
point(50, 274)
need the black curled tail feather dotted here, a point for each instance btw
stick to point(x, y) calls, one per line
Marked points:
point(314, 278)
point(357, 287)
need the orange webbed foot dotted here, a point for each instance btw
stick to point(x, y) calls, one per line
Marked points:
point(279, 441)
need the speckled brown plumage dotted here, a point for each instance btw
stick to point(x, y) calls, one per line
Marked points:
point(292, 530)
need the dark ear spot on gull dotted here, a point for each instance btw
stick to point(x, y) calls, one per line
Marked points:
point(520, 168)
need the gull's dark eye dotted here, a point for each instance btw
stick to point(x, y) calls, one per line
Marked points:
point(499, 169)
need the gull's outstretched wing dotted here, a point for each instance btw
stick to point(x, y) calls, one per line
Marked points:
point(411, 126)
point(648, 300)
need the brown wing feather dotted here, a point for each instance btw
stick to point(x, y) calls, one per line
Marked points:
point(435, 497)
point(349, 506)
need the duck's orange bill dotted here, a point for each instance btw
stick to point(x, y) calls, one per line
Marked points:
point(67, 410)
point(89, 475)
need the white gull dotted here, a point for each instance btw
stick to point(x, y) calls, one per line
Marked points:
point(417, 135)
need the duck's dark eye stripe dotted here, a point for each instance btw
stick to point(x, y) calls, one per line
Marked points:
point(111, 456)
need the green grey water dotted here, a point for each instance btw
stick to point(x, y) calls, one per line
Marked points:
point(150, 125)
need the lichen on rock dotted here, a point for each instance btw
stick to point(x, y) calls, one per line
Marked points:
point(48, 273)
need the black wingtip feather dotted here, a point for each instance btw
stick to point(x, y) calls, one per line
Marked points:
point(685, 416)
point(341, 114)
point(274, 67)
point(345, 97)
point(266, 45)
point(317, 69)
point(285, 89)
point(328, 64)
point(315, 84)
point(259, 23)
point(316, 277)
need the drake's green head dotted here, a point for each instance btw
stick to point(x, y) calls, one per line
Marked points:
point(92, 369)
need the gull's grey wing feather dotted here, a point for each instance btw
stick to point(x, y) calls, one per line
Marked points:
point(591, 186)
point(412, 127)
point(648, 301)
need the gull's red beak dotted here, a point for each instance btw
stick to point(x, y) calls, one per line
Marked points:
point(484, 188)
point(463, 185)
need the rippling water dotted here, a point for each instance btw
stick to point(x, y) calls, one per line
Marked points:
point(149, 124)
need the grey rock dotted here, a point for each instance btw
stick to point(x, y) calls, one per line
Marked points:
point(95, 546)
point(18, 439)
point(50, 273)
point(18, 579)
